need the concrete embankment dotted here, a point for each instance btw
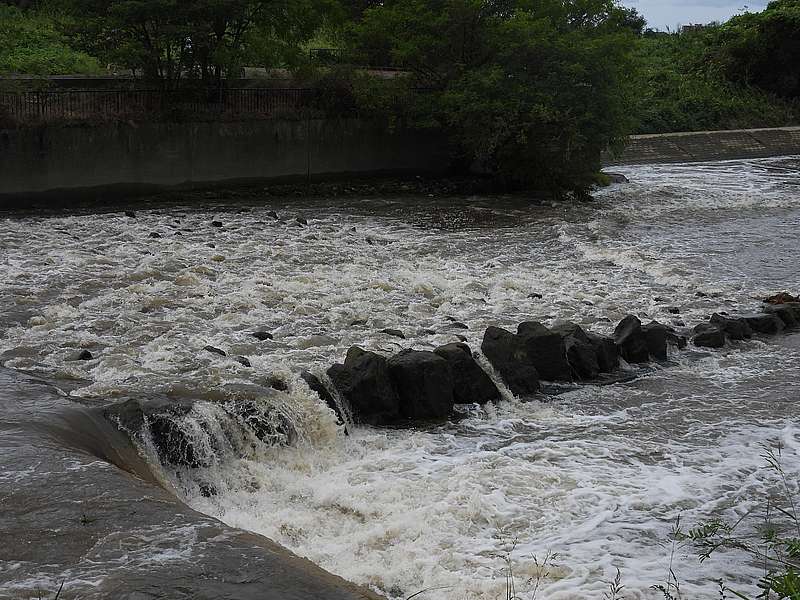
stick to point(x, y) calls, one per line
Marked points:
point(709, 145)
point(53, 157)
point(73, 517)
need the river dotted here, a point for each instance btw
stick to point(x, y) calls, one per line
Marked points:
point(595, 475)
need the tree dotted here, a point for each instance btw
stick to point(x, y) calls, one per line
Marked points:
point(531, 91)
point(763, 49)
point(171, 40)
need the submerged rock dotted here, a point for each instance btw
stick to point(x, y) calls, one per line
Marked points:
point(394, 333)
point(708, 335)
point(785, 312)
point(215, 350)
point(130, 214)
point(262, 335)
point(504, 351)
point(782, 298)
point(85, 355)
point(243, 361)
point(545, 350)
point(735, 328)
point(363, 381)
point(631, 340)
point(216, 223)
point(471, 384)
point(424, 384)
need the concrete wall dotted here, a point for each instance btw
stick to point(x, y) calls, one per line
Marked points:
point(709, 145)
point(37, 160)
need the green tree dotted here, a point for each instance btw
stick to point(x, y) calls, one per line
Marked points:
point(530, 91)
point(171, 40)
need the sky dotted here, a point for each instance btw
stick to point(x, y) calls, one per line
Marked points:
point(661, 14)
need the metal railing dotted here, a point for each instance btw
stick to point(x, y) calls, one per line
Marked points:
point(227, 104)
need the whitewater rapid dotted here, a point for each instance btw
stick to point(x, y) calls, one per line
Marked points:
point(597, 475)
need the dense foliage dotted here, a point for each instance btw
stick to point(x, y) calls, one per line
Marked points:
point(531, 91)
point(32, 43)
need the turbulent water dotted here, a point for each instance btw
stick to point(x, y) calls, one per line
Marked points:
point(597, 475)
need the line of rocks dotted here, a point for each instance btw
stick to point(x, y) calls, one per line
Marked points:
point(416, 386)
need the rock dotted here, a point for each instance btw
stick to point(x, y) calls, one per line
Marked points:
point(85, 355)
point(394, 332)
point(658, 336)
point(358, 322)
point(262, 335)
point(545, 350)
point(581, 354)
point(215, 350)
point(130, 213)
point(765, 323)
point(272, 214)
point(784, 312)
point(782, 298)
point(301, 221)
point(617, 178)
point(471, 384)
point(535, 296)
point(270, 426)
point(673, 310)
point(316, 385)
point(606, 352)
point(216, 223)
point(424, 384)
point(173, 445)
point(363, 381)
point(504, 351)
point(459, 325)
point(701, 295)
point(211, 245)
point(243, 361)
point(735, 329)
point(708, 335)
point(631, 340)
point(460, 338)
point(276, 383)
point(154, 234)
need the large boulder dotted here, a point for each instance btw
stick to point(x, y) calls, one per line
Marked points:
point(782, 298)
point(765, 323)
point(632, 340)
point(160, 420)
point(424, 384)
point(581, 353)
point(545, 350)
point(735, 328)
point(363, 381)
point(606, 352)
point(659, 337)
point(504, 351)
point(783, 311)
point(471, 384)
point(708, 335)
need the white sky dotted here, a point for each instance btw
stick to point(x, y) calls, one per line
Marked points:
point(661, 14)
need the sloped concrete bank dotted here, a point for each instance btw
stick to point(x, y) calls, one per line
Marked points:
point(73, 519)
point(703, 146)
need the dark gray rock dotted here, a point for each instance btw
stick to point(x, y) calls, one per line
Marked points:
point(215, 350)
point(363, 381)
point(765, 323)
point(243, 361)
point(545, 350)
point(272, 214)
point(631, 340)
point(316, 385)
point(130, 214)
point(277, 383)
point(394, 332)
point(708, 335)
point(734, 328)
point(470, 382)
point(784, 312)
point(216, 223)
point(424, 384)
point(606, 352)
point(581, 354)
point(154, 235)
point(504, 351)
point(262, 335)
point(658, 337)
point(301, 221)
point(85, 355)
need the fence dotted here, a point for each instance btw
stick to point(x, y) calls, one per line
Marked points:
point(185, 104)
